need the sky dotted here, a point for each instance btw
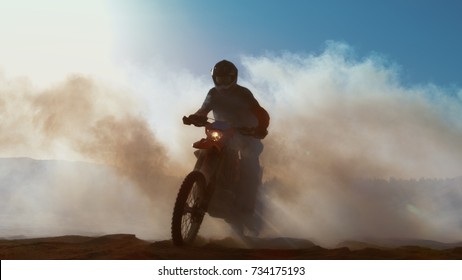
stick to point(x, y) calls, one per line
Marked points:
point(355, 89)
point(420, 37)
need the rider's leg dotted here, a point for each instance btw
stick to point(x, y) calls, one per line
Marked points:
point(250, 174)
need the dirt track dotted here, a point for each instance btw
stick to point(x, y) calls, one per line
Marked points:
point(126, 246)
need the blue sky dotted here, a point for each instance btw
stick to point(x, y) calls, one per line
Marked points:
point(99, 37)
point(421, 37)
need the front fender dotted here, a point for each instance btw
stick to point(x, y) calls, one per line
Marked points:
point(207, 162)
point(205, 144)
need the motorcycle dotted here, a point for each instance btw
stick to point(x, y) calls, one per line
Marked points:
point(211, 186)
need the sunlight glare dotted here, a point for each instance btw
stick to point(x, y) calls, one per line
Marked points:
point(48, 40)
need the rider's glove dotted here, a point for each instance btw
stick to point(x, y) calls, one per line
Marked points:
point(260, 132)
point(197, 120)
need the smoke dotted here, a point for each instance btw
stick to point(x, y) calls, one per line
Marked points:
point(337, 121)
point(97, 124)
point(82, 120)
point(346, 137)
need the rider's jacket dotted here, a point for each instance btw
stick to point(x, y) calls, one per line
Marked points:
point(236, 105)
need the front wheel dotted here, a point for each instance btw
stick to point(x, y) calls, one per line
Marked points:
point(189, 209)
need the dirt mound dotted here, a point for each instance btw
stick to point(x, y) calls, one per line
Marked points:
point(128, 247)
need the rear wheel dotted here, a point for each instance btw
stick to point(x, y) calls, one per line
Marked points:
point(189, 209)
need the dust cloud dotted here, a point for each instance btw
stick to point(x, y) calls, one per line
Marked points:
point(80, 121)
point(341, 127)
point(349, 154)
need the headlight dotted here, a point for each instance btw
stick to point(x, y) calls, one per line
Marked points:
point(215, 135)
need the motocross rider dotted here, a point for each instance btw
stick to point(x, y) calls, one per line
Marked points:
point(236, 104)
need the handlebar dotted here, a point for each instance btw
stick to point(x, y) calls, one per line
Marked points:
point(195, 120)
point(200, 121)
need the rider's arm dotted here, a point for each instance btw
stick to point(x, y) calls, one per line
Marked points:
point(259, 112)
point(263, 121)
point(206, 105)
point(262, 116)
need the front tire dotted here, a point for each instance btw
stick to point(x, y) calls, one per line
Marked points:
point(189, 209)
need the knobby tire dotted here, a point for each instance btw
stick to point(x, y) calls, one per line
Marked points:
point(189, 209)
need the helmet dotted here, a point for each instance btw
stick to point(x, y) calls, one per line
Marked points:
point(224, 74)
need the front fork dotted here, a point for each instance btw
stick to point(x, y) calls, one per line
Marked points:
point(208, 161)
point(220, 168)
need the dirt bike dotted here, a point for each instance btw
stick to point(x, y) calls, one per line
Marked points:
point(211, 186)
